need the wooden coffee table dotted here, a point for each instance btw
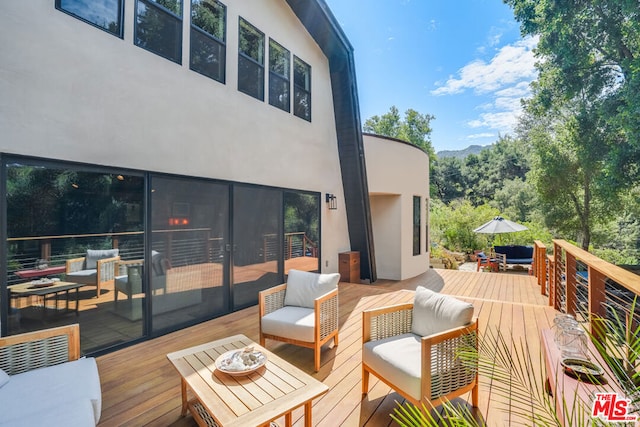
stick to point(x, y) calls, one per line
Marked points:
point(46, 291)
point(256, 399)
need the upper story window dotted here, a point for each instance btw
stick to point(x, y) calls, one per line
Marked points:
point(106, 14)
point(208, 37)
point(279, 72)
point(159, 27)
point(301, 89)
point(251, 60)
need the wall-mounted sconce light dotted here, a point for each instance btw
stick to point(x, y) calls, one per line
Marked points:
point(332, 201)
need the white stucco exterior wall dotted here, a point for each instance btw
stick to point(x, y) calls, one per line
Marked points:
point(70, 91)
point(397, 172)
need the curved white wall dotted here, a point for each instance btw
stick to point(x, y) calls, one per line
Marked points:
point(396, 173)
point(70, 91)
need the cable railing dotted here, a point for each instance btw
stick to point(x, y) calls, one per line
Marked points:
point(180, 246)
point(604, 297)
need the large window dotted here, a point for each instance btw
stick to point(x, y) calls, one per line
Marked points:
point(159, 27)
point(416, 224)
point(60, 220)
point(302, 89)
point(208, 35)
point(279, 72)
point(105, 14)
point(251, 60)
point(168, 250)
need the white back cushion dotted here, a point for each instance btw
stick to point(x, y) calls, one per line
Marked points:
point(434, 313)
point(304, 287)
point(93, 255)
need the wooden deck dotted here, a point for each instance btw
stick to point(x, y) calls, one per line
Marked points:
point(140, 387)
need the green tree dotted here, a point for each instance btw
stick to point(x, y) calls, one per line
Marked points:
point(452, 225)
point(415, 128)
point(446, 179)
point(591, 49)
point(571, 145)
point(517, 199)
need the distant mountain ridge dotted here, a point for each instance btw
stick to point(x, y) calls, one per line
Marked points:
point(461, 154)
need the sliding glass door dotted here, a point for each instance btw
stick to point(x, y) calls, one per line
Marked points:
point(189, 257)
point(131, 255)
point(257, 242)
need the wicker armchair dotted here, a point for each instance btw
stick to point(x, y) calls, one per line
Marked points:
point(98, 268)
point(422, 369)
point(45, 381)
point(39, 349)
point(303, 311)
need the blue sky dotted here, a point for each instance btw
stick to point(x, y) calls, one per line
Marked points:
point(462, 61)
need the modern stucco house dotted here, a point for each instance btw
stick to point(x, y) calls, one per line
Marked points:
point(217, 141)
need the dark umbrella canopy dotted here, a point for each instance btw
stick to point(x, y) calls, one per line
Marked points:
point(500, 225)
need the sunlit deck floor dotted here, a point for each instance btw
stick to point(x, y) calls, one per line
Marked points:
point(141, 388)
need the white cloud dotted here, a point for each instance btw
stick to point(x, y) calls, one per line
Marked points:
point(504, 80)
point(503, 121)
point(481, 135)
point(512, 64)
point(522, 89)
point(509, 104)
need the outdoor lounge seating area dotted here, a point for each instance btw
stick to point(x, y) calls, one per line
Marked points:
point(340, 367)
point(463, 300)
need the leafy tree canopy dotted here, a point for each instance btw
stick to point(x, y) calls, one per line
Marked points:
point(415, 128)
point(590, 49)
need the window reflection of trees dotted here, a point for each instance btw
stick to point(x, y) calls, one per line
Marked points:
point(301, 228)
point(106, 14)
point(159, 27)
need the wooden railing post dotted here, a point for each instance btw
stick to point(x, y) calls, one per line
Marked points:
point(539, 260)
point(45, 249)
point(551, 278)
point(570, 280)
point(557, 273)
point(597, 310)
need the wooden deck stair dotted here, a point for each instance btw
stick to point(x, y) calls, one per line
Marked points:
point(140, 387)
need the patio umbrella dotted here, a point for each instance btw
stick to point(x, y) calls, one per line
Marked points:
point(499, 225)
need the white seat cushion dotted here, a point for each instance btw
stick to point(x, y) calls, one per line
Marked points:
point(76, 413)
point(434, 313)
point(290, 322)
point(85, 277)
point(303, 288)
point(397, 359)
point(51, 386)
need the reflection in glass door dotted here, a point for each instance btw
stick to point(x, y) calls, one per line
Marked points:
point(190, 222)
point(301, 231)
point(257, 236)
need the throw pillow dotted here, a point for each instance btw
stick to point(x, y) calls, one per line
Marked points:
point(304, 287)
point(434, 313)
point(4, 378)
point(93, 255)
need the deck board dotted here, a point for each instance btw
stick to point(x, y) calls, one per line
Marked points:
point(140, 387)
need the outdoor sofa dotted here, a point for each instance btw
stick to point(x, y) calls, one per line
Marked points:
point(44, 381)
point(513, 255)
